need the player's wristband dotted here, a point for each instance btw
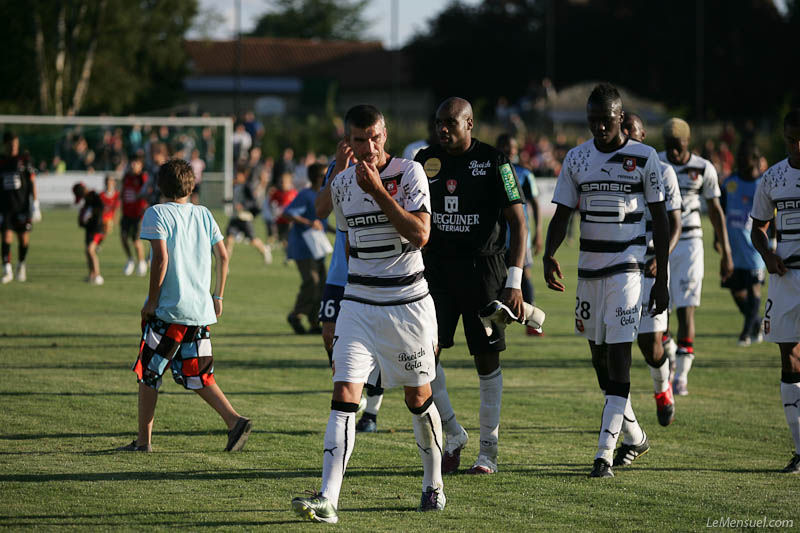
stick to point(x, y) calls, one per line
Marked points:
point(220, 298)
point(514, 279)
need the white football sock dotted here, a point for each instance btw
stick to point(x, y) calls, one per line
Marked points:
point(373, 404)
point(442, 401)
point(660, 376)
point(631, 430)
point(613, 416)
point(428, 432)
point(790, 394)
point(491, 387)
point(683, 363)
point(340, 436)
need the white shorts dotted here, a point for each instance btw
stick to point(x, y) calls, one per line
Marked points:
point(686, 273)
point(649, 324)
point(398, 339)
point(607, 310)
point(782, 311)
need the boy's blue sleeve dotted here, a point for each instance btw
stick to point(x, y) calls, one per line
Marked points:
point(153, 226)
point(214, 234)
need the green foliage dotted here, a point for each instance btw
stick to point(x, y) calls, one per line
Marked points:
point(313, 19)
point(505, 45)
point(139, 61)
point(69, 397)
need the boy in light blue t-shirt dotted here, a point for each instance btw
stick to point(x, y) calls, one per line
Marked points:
point(179, 308)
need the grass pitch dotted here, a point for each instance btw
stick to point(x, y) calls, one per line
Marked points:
point(69, 397)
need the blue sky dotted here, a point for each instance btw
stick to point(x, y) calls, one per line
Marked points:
point(413, 16)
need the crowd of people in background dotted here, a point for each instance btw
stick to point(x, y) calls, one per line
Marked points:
point(265, 187)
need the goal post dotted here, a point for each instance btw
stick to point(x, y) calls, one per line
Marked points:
point(217, 179)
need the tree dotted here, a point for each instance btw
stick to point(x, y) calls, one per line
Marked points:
point(313, 19)
point(498, 48)
point(100, 55)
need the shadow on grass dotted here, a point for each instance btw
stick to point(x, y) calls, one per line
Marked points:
point(204, 475)
point(168, 393)
point(36, 436)
point(67, 334)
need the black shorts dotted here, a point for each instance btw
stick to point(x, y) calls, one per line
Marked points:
point(129, 227)
point(743, 278)
point(237, 225)
point(18, 222)
point(462, 287)
point(329, 306)
point(95, 235)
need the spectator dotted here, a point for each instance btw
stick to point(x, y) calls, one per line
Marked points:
point(310, 263)
point(253, 127)
point(241, 141)
point(245, 206)
point(281, 197)
point(198, 167)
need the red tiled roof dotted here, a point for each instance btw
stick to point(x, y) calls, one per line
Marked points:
point(264, 56)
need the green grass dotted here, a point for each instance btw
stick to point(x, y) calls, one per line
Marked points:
point(68, 397)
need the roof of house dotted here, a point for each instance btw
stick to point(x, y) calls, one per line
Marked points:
point(354, 64)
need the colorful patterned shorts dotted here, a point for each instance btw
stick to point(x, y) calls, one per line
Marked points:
point(186, 349)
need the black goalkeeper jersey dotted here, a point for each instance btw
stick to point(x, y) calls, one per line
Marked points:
point(468, 195)
point(16, 186)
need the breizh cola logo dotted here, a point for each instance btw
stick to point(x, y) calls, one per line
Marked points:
point(411, 360)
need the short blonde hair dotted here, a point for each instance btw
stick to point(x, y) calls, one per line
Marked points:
point(176, 179)
point(677, 128)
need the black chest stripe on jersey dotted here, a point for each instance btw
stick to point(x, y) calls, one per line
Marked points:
point(372, 250)
point(610, 271)
point(620, 158)
point(590, 245)
point(611, 186)
point(793, 261)
point(391, 281)
point(630, 218)
point(781, 233)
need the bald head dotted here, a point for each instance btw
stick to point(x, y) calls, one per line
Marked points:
point(456, 107)
point(454, 125)
point(633, 126)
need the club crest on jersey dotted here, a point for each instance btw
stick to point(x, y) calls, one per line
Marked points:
point(629, 164)
point(451, 204)
point(391, 187)
point(579, 325)
point(451, 186)
point(766, 326)
point(693, 174)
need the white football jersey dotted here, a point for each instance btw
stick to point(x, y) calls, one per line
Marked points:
point(698, 176)
point(384, 267)
point(778, 197)
point(611, 191)
point(672, 199)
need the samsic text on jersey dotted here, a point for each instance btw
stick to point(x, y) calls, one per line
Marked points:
point(611, 191)
point(384, 267)
point(468, 195)
point(697, 176)
point(778, 196)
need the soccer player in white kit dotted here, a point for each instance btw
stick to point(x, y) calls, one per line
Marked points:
point(612, 180)
point(387, 318)
point(778, 199)
point(696, 176)
point(652, 329)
